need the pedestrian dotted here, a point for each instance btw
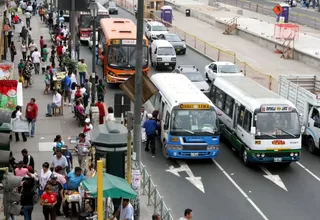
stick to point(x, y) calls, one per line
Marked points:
point(59, 160)
point(13, 51)
point(74, 178)
point(151, 127)
point(58, 143)
point(68, 155)
point(36, 58)
point(27, 72)
point(47, 81)
point(187, 215)
point(20, 170)
point(77, 48)
point(41, 43)
point(24, 34)
point(102, 111)
point(32, 47)
point(21, 67)
point(101, 90)
point(67, 89)
point(82, 149)
point(97, 54)
point(156, 216)
point(58, 171)
point(27, 200)
point(48, 201)
point(17, 116)
point(110, 115)
point(87, 130)
point(125, 211)
point(28, 19)
point(82, 70)
point(27, 158)
point(44, 176)
point(23, 49)
point(56, 103)
point(44, 53)
point(32, 114)
point(144, 118)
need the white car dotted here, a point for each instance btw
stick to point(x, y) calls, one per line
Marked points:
point(90, 43)
point(215, 69)
point(154, 30)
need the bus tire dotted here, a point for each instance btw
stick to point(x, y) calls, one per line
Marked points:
point(244, 156)
point(311, 146)
point(164, 151)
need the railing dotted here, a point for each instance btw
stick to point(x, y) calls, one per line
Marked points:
point(154, 197)
point(294, 17)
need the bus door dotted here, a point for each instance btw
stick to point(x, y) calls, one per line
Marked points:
point(235, 117)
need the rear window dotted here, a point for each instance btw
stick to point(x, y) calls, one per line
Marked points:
point(112, 4)
point(166, 51)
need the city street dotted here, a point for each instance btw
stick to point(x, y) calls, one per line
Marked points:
point(231, 190)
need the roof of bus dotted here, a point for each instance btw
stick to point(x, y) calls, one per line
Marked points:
point(177, 88)
point(119, 28)
point(249, 92)
point(101, 9)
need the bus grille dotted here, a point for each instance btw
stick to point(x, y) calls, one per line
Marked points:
point(194, 147)
point(278, 154)
point(125, 75)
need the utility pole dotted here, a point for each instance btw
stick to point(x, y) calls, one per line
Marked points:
point(73, 28)
point(138, 94)
point(93, 86)
point(129, 140)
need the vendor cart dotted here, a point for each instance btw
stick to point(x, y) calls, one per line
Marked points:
point(57, 81)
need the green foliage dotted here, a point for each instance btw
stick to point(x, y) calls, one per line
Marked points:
point(70, 64)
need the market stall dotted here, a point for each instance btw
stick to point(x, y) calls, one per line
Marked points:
point(57, 79)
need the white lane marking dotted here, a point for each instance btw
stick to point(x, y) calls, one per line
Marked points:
point(196, 181)
point(306, 169)
point(241, 191)
point(274, 178)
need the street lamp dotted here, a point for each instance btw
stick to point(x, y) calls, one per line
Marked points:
point(93, 7)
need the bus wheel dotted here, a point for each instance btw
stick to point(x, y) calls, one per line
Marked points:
point(244, 157)
point(164, 151)
point(311, 146)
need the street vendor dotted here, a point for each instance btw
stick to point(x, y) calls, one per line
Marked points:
point(125, 211)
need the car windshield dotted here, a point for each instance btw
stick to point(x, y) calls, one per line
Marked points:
point(158, 28)
point(194, 76)
point(87, 22)
point(172, 38)
point(166, 51)
point(124, 56)
point(227, 69)
point(194, 122)
point(275, 124)
point(112, 5)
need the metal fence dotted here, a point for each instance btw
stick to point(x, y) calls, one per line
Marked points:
point(154, 198)
point(294, 17)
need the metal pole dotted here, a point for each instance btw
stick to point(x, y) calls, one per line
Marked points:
point(100, 189)
point(129, 140)
point(73, 28)
point(94, 45)
point(138, 93)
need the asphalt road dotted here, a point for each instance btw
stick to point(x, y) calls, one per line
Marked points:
point(232, 191)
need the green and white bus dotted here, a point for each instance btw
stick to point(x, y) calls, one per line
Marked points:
point(262, 126)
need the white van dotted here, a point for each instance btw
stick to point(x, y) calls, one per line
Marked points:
point(162, 54)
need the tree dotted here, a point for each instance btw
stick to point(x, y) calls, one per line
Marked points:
point(70, 64)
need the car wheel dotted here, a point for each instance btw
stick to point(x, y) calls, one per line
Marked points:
point(156, 66)
point(184, 53)
point(244, 157)
point(173, 67)
point(311, 147)
point(207, 78)
point(164, 151)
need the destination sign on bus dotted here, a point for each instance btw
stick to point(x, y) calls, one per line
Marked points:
point(276, 109)
point(126, 42)
point(194, 106)
point(129, 42)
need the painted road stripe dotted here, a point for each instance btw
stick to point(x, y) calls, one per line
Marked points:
point(306, 169)
point(241, 191)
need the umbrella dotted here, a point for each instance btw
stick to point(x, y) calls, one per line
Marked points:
point(113, 187)
point(12, 4)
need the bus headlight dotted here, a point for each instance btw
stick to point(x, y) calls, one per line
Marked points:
point(258, 155)
point(212, 147)
point(263, 155)
point(173, 59)
point(174, 147)
point(291, 154)
point(111, 73)
point(296, 154)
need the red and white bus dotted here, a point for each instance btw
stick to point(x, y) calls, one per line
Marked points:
point(85, 22)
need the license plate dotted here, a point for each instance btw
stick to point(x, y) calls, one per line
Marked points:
point(166, 64)
point(194, 154)
point(277, 159)
point(178, 49)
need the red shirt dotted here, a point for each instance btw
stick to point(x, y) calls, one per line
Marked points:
point(41, 43)
point(49, 198)
point(31, 111)
point(15, 19)
point(101, 109)
point(59, 50)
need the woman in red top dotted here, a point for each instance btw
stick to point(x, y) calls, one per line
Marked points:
point(59, 49)
point(78, 94)
point(16, 19)
point(48, 201)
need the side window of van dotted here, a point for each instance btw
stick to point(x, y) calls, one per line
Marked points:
point(166, 121)
point(228, 108)
point(157, 103)
point(220, 99)
point(214, 68)
point(241, 115)
point(247, 121)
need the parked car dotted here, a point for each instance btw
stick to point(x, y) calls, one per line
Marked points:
point(178, 44)
point(215, 69)
point(154, 29)
point(192, 73)
point(112, 8)
point(90, 43)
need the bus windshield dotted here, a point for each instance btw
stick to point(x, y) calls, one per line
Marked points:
point(194, 122)
point(124, 56)
point(278, 125)
point(86, 21)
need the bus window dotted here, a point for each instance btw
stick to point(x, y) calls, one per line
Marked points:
point(241, 115)
point(219, 99)
point(228, 108)
point(247, 121)
point(166, 121)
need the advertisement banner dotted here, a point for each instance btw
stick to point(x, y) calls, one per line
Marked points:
point(6, 71)
point(8, 94)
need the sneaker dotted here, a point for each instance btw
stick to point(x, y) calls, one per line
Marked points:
point(147, 149)
point(48, 115)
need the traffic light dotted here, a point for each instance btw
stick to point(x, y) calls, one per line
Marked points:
point(11, 196)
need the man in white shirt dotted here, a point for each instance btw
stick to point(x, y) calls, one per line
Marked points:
point(56, 103)
point(125, 211)
point(28, 18)
point(36, 59)
point(64, 49)
point(65, 31)
point(187, 215)
point(32, 47)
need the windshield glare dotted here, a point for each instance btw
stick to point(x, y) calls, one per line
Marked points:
point(228, 69)
point(87, 22)
point(193, 121)
point(278, 123)
point(166, 51)
point(159, 28)
point(124, 56)
point(194, 77)
point(172, 38)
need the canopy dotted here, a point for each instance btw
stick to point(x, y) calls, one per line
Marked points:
point(113, 187)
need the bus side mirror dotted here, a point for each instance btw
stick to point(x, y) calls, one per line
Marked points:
point(303, 128)
point(253, 130)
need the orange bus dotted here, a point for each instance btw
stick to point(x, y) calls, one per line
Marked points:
point(118, 40)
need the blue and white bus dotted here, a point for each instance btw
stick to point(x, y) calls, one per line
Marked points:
point(189, 123)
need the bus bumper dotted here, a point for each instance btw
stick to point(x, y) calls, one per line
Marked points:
point(84, 39)
point(116, 79)
point(276, 158)
point(185, 154)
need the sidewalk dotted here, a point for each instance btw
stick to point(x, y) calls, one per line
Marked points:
point(40, 147)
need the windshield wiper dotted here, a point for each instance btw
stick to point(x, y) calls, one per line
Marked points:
point(270, 135)
point(287, 132)
point(211, 132)
point(191, 132)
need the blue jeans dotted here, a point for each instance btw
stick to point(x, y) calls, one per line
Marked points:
point(82, 77)
point(50, 107)
point(97, 59)
point(27, 211)
point(33, 126)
